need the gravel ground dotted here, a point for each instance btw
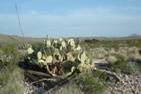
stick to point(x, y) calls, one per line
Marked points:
point(30, 89)
point(132, 85)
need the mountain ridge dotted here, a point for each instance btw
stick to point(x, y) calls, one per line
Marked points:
point(134, 35)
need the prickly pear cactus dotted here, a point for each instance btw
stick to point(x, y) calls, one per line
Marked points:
point(85, 62)
point(59, 57)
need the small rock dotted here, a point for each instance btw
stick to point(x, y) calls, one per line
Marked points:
point(126, 78)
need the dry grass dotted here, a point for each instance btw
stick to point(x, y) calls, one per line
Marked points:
point(71, 89)
point(14, 83)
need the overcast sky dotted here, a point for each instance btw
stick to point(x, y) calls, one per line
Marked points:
point(71, 18)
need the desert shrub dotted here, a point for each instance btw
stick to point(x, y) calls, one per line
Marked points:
point(121, 65)
point(4, 76)
point(111, 59)
point(9, 58)
point(131, 68)
point(135, 42)
point(122, 51)
point(98, 52)
point(133, 54)
point(13, 81)
point(92, 82)
point(108, 44)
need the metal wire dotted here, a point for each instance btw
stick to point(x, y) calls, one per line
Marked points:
point(19, 19)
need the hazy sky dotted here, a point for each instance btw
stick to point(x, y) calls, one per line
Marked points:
point(67, 18)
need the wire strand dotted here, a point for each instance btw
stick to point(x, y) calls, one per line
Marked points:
point(19, 19)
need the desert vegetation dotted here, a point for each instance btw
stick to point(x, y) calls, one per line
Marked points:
point(68, 66)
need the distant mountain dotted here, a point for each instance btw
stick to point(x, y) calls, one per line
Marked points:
point(134, 35)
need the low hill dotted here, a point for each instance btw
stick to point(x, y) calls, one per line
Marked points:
point(19, 39)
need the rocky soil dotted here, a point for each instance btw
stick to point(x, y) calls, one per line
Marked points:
point(132, 85)
point(30, 89)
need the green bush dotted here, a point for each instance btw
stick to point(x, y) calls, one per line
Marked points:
point(13, 81)
point(132, 68)
point(92, 82)
point(4, 76)
point(9, 57)
point(10, 76)
point(121, 65)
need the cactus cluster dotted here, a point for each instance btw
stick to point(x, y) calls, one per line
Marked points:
point(59, 56)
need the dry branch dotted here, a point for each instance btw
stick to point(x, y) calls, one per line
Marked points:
point(61, 84)
point(44, 79)
point(38, 73)
point(110, 73)
point(31, 76)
